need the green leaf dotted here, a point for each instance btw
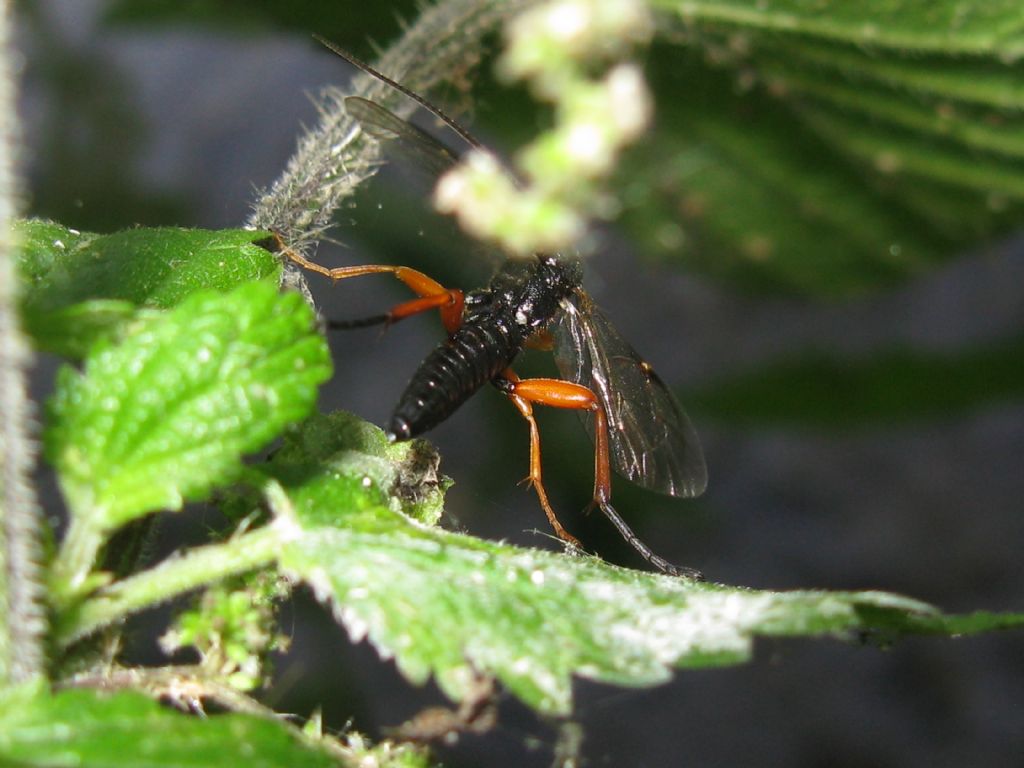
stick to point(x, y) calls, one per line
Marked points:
point(729, 183)
point(232, 626)
point(788, 167)
point(895, 141)
point(960, 125)
point(81, 728)
point(168, 413)
point(893, 151)
point(893, 386)
point(78, 287)
point(982, 82)
point(953, 27)
point(404, 475)
point(451, 606)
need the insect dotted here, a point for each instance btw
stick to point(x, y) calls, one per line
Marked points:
point(635, 423)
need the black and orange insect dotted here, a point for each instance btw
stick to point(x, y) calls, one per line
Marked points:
point(636, 424)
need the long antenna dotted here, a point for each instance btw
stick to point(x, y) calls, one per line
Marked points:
point(435, 111)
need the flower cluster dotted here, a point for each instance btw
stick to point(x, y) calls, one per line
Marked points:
point(556, 48)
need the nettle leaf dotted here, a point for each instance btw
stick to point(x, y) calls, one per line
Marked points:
point(98, 730)
point(451, 606)
point(978, 81)
point(78, 287)
point(167, 414)
point(832, 148)
point(946, 26)
point(402, 475)
point(733, 185)
point(963, 126)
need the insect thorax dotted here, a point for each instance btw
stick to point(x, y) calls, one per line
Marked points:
point(526, 294)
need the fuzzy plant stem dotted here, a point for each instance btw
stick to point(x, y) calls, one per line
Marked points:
point(176, 576)
point(335, 157)
point(22, 616)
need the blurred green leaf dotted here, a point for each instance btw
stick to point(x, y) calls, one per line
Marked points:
point(451, 606)
point(967, 126)
point(232, 626)
point(979, 81)
point(98, 730)
point(732, 185)
point(802, 153)
point(168, 413)
point(78, 287)
point(951, 27)
point(894, 141)
point(818, 390)
point(894, 152)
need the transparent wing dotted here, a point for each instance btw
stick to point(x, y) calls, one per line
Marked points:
point(652, 441)
point(418, 147)
point(421, 160)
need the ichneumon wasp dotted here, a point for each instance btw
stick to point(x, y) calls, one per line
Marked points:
point(635, 423)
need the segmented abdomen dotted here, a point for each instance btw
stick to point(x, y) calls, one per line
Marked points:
point(470, 358)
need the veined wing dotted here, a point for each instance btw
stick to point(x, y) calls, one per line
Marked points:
point(422, 157)
point(651, 439)
point(417, 146)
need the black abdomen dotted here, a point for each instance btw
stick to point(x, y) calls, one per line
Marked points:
point(520, 300)
point(470, 358)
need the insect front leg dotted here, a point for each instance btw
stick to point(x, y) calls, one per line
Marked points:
point(432, 295)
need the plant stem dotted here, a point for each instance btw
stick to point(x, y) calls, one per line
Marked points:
point(171, 682)
point(74, 562)
point(22, 616)
point(335, 157)
point(173, 577)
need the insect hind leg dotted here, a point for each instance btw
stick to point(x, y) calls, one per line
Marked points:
point(637, 543)
point(507, 383)
point(565, 394)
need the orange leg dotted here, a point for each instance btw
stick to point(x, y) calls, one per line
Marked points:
point(432, 294)
point(565, 394)
point(559, 394)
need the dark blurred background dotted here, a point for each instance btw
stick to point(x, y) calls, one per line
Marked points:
point(869, 440)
